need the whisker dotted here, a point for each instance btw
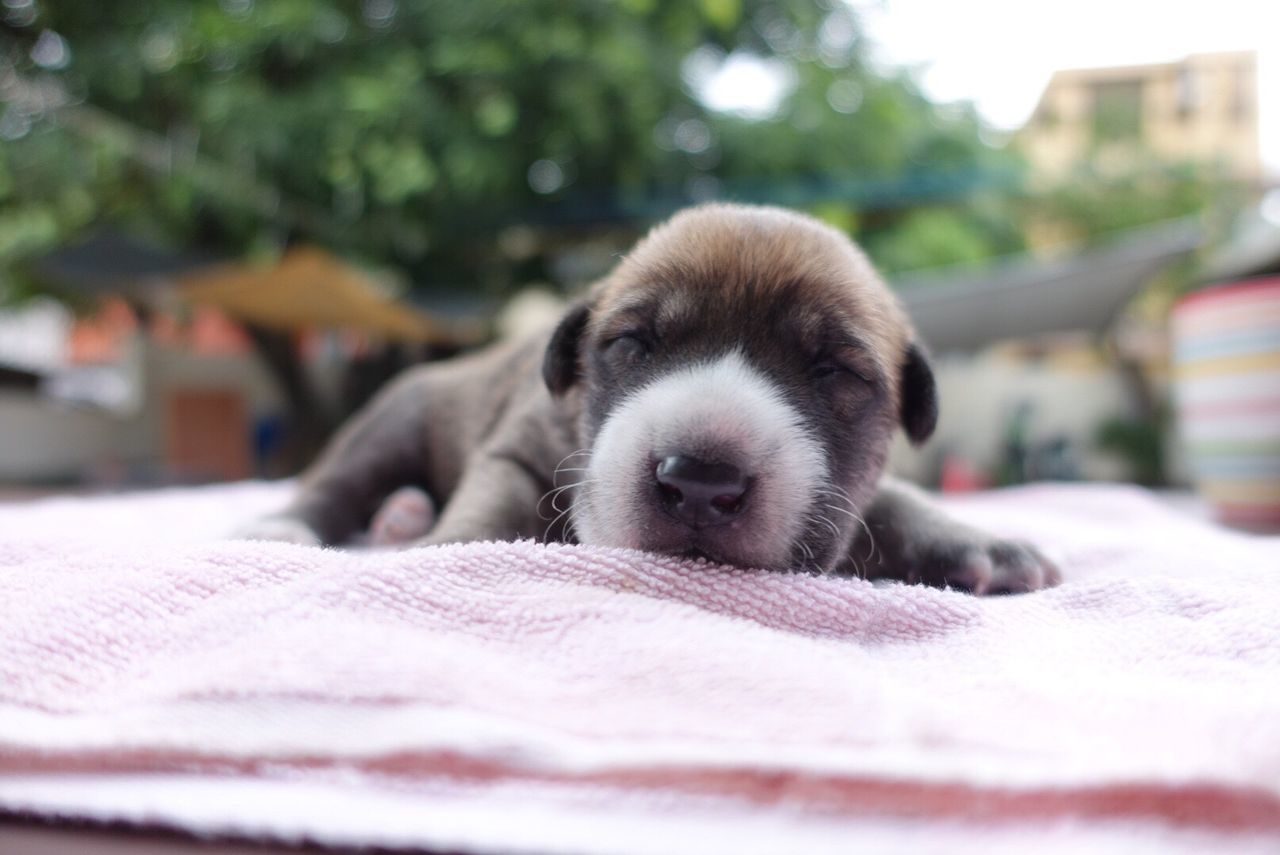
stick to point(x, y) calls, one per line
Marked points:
point(851, 512)
point(546, 533)
point(555, 473)
point(560, 492)
point(806, 553)
point(561, 489)
point(835, 491)
point(871, 538)
point(841, 496)
point(554, 494)
point(835, 531)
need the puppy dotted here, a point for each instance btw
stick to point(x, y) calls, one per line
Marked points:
point(729, 391)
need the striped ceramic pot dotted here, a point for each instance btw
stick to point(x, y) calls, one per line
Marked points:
point(1226, 358)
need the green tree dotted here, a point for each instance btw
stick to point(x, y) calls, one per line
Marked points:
point(1094, 202)
point(412, 132)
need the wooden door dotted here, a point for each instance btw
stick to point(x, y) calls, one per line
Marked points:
point(207, 435)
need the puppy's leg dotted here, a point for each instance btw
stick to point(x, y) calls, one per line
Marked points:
point(381, 448)
point(909, 537)
point(497, 499)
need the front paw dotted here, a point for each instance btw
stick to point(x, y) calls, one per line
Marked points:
point(981, 565)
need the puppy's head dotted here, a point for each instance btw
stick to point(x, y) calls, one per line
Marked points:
point(741, 373)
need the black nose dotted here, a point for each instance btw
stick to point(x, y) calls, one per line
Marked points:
point(701, 493)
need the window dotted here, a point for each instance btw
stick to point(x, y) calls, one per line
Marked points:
point(1117, 110)
point(1242, 95)
point(1188, 93)
point(1047, 116)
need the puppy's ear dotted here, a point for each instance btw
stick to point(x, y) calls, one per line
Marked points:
point(919, 406)
point(560, 365)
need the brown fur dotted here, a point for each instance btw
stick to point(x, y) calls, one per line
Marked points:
point(733, 248)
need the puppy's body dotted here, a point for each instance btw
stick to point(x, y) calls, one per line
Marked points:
point(729, 390)
point(475, 433)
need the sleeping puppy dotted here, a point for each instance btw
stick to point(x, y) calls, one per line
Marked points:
point(729, 391)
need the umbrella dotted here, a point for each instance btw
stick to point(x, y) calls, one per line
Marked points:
point(309, 288)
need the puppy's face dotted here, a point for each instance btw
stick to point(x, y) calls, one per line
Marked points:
point(741, 373)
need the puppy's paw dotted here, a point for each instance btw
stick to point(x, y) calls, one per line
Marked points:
point(405, 516)
point(982, 565)
point(281, 529)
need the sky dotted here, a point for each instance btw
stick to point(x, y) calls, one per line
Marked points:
point(1000, 53)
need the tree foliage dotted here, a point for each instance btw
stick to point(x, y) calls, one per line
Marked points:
point(412, 132)
point(1093, 202)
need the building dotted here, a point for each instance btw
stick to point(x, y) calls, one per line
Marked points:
point(179, 369)
point(1036, 365)
point(1202, 109)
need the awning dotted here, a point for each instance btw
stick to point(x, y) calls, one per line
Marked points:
point(970, 308)
point(110, 262)
point(309, 288)
point(1253, 248)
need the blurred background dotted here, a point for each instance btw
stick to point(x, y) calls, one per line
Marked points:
point(224, 224)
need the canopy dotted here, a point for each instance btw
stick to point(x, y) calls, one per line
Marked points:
point(308, 288)
point(1252, 249)
point(110, 262)
point(963, 310)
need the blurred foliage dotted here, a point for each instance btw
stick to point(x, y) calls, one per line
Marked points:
point(1093, 201)
point(1140, 444)
point(413, 132)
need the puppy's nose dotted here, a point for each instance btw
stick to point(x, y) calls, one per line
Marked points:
point(700, 493)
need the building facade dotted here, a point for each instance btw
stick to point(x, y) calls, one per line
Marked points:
point(1202, 109)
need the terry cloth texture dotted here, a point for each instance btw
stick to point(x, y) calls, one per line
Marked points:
point(522, 697)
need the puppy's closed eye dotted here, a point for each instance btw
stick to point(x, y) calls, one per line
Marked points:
point(827, 368)
point(841, 365)
point(841, 384)
point(629, 346)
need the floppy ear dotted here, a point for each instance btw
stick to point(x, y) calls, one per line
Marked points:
point(560, 365)
point(919, 406)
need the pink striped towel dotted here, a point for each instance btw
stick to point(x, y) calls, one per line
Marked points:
point(518, 697)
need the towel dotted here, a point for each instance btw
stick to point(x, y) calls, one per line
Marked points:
point(531, 698)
